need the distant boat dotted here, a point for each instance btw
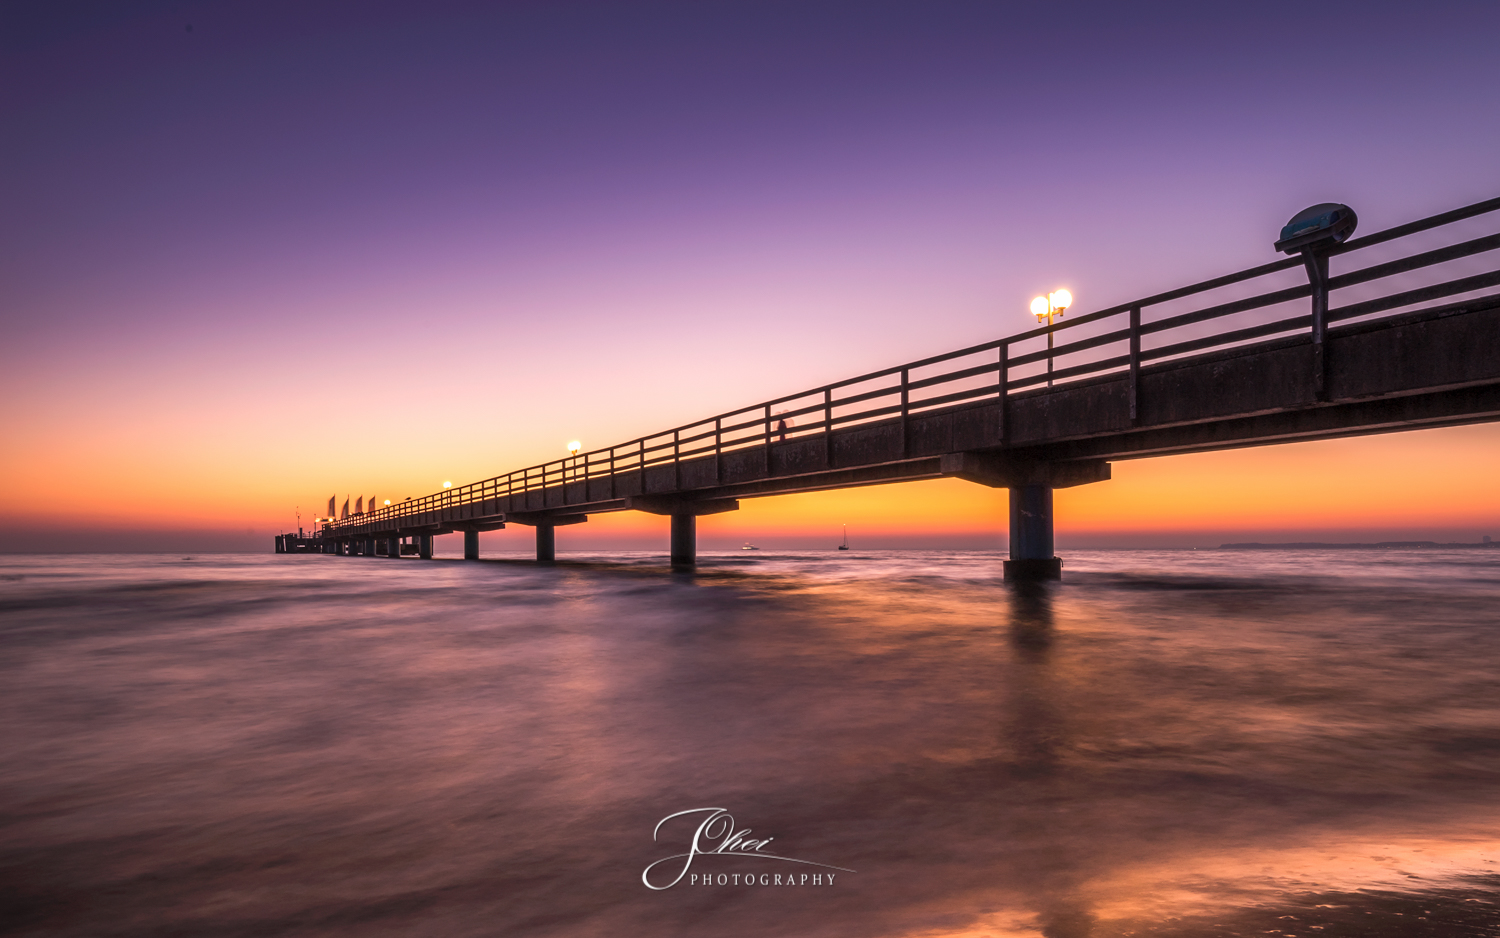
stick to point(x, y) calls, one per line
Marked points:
point(749, 547)
point(845, 545)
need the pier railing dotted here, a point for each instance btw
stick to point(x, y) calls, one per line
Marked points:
point(1237, 309)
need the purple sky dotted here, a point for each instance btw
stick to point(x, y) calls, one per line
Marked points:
point(553, 221)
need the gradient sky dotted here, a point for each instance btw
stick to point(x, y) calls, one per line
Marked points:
point(252, 254)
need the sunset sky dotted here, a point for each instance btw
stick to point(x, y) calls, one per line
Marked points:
point(254, 254)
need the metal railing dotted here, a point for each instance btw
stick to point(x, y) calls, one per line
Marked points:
point(1108, 342)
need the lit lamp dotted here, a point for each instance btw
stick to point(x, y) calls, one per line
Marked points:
point(1046, 308)
point(574, 447)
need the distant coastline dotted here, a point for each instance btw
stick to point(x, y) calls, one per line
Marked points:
point(1379, 545)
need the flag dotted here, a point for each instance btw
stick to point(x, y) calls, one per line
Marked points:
point(373, 503)
point(346, 509)
point(359, 505)
point(331, 500)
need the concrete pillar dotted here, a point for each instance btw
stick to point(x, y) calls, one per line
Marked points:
point(424, 547)
point(369, 547)
point(684, 540)
point(393, 547)
point(1031, 550)
point(471, 545)
point(280, 545)
point(546, 543)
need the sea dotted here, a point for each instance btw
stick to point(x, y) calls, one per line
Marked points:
point(862, 743)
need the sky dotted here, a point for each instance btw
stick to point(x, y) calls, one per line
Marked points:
point(255, 254)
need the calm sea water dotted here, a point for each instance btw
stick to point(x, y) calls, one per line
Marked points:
point(1165, 744)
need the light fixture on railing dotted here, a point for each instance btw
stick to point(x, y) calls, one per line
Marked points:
point(1045, 309)
point(387, 501)
point(574, 447)
point(447, 485)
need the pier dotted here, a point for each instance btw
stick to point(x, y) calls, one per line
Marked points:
point(1257, 357)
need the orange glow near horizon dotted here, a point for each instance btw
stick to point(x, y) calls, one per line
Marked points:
point(1438, 479)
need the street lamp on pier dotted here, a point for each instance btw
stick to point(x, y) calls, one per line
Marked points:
point(1046, 308)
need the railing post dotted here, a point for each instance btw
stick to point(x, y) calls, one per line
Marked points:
point(905, 410)
point(768, 440)
point(718, 451)
point(828, 428)
point(1135, 364)
point(611, 472)
point(1002, 387)
point(676, 460)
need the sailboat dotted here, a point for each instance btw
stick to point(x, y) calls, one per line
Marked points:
point(845, 545)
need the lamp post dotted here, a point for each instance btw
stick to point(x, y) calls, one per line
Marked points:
point(573, 449)
point(1046, 308)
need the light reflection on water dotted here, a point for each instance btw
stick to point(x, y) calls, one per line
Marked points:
point(1167, 743)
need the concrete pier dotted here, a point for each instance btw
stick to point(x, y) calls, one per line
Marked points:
point(989, 414)
point(369, 547)
point(424, 546)
point(1166, 374)
point(393, 547)
point(471, 545)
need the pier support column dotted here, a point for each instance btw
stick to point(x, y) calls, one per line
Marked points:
point(424, 548)
point(684, 513)
point(393, 547)
point(1030, 484)
point(546, 525)
point(1031, 549)
point(684, 540)
point(369, 547)
point(471, 545)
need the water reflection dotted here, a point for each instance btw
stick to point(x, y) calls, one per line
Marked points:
point(337, 747)
point(1031, 618)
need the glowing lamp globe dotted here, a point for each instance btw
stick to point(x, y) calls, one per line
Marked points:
point(1061, 299)
point(1039, 308)
point(574, 447)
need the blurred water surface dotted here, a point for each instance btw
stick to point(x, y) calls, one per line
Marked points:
point(1168, 743)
